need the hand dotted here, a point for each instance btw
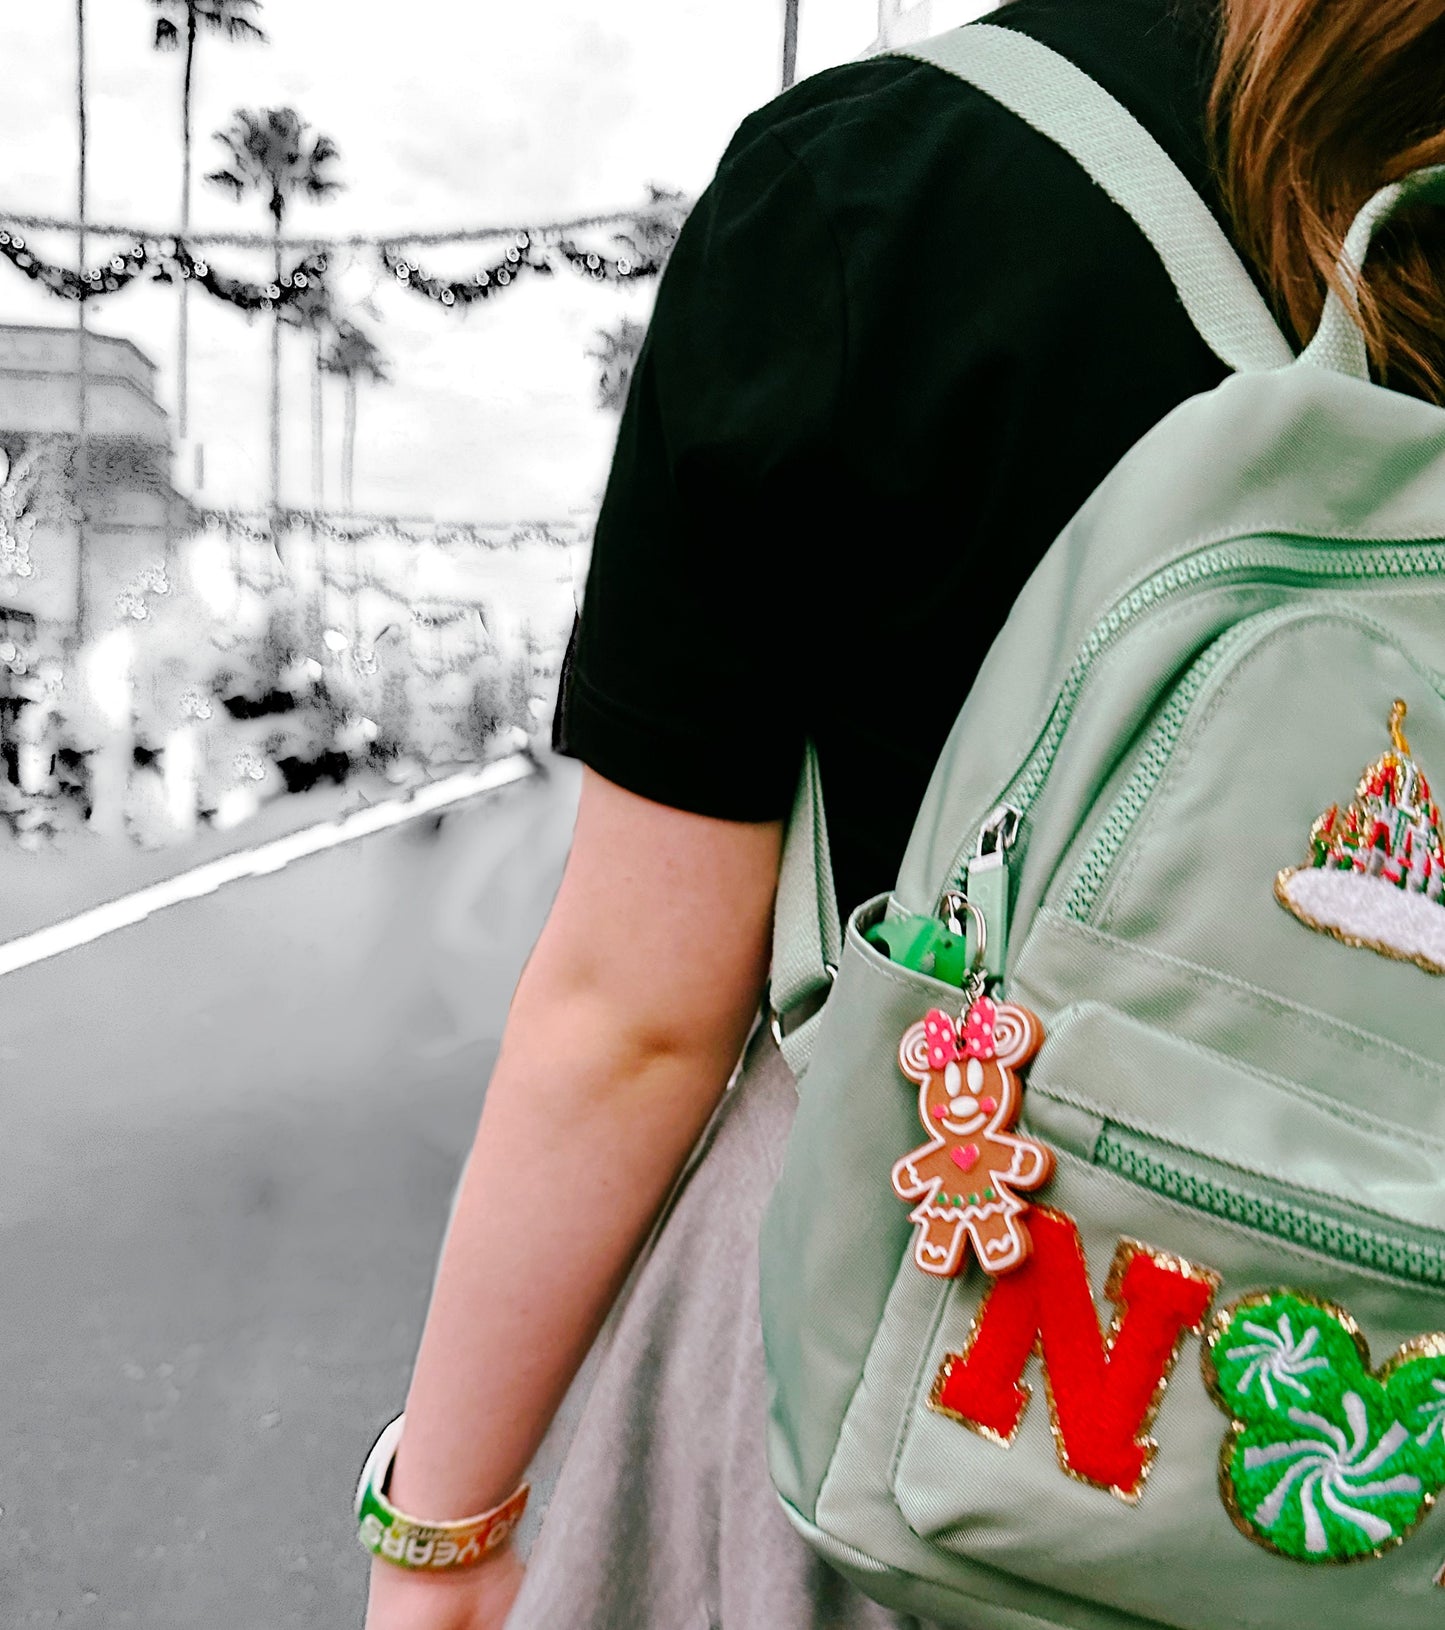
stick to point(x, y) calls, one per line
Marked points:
point(478, 1598)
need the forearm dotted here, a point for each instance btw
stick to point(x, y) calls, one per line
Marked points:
point(586, 1125)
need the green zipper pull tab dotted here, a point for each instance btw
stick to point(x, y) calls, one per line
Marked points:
point(987, 888)
point(966, 940)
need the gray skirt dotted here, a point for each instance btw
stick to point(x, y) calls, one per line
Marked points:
point(663, 1517)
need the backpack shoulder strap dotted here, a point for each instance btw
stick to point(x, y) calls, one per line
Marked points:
point(1338, 342)
point(1061, 102)
point(807, 937)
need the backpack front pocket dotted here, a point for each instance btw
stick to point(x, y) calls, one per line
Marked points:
point(1240, 820)
point(1220, 1377)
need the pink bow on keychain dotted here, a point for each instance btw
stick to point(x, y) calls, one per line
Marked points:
point(944, 1046)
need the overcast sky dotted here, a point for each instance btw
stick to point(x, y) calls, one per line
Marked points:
point(456, 113)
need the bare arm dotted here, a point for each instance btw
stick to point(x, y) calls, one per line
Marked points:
point(626, 1023)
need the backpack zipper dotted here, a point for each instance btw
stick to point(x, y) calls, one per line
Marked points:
point(1290, 560)
point(1098, 862)
point(1365, 1240)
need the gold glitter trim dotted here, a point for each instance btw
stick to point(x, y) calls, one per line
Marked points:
point(1281, 882)
point(1124, 1253)
point(1431, 1346)
point(945, 1371)
point(1246, 1304)
point(1428, 1346)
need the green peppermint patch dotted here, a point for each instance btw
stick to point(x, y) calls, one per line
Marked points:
point(1327, 1460)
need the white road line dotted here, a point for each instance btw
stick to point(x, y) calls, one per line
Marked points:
point(104, 919)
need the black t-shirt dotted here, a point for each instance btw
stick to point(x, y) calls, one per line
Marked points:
point(900, 339)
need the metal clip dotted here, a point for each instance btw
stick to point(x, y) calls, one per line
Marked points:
point(784, 1024)
point(999, 830)
point(976, 981)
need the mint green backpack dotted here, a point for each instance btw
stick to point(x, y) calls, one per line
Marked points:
point(1183, 826)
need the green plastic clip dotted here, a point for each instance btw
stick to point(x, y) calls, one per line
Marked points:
point(924, 944)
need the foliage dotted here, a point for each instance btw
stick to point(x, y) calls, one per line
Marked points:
point(269, 155)
point(19, 514)
point(651, 238)
point(354, 355)
point(221, 16)
point(487, 709)
point(618, 353)
point(310, 308)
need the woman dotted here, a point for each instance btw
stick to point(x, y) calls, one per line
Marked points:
point(900, 340)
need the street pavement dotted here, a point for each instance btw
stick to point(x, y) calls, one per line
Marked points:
point(230, 1139)
point(77, 870)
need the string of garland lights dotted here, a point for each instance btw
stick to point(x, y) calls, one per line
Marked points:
point(457, 611)
point(166, 259)
point(429, 614)
point(406, 606)
point(445, 534)
point(163, 261)
point(463, 291)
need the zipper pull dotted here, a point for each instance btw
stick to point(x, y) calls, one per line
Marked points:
point(987, 889)
point(964, 943)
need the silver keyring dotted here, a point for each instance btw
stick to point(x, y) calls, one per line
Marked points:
point(950, 905)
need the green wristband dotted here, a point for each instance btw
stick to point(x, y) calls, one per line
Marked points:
point(422, 1546)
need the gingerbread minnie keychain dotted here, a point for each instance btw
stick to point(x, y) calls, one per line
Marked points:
point(969, 1095)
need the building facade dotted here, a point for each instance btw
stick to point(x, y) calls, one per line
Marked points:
point(55, 564)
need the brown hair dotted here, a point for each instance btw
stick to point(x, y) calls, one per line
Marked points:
point(1315, 105)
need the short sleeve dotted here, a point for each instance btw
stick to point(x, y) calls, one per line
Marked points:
point(687, 677)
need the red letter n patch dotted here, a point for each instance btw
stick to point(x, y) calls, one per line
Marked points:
point(1103, 1391)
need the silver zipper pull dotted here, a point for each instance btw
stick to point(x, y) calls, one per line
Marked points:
point(988, 885)
point(996, 839)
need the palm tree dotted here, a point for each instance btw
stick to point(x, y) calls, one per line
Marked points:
point(352, 355)
point(270, 155)
point(790, 41)
point(82, 472)
point(221, 17)
point(313, 310)
point(618, 356)
point(652, 238)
